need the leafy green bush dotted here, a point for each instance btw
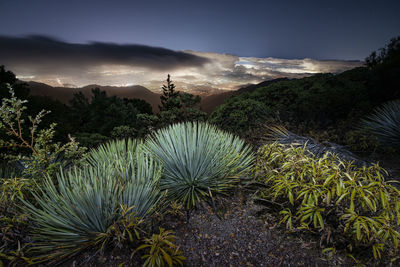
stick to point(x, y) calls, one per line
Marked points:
point(14, 188)
point(14, 224)
point(123, 131)
point(91, 140)
point(198, 160)
point(348, 206)
point(78, 209)
point(44, 154)
point(239, 116)
point(384, 123)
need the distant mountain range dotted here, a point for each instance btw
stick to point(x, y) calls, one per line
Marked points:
point(64, 94)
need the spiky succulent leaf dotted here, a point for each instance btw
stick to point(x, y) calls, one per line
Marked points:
point(198, 159)
point(384, 123)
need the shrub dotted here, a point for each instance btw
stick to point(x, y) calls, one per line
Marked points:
point(384, 123)
point(123, 132)
point(239, 116)
point(91, 140)
point(198, 160)
point(346, 205)
point(78, 211)
point(162, 250)
point(46, 156)
point(14, 225)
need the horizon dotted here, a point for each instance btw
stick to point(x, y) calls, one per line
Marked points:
point(59, 64)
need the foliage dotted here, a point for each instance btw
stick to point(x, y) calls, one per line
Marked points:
point(387, 53)
point(346, 205)
point(162, 250)
point(102, 114)
point(191, 107)
point(239, 116)
point(169, 98)
point(86, 204)
point(44, 153)
point(357, 140)
point(126, 229)
point(347, 133)
point(91, 140)
point(150, 122)
point(15, 257)
point(8, 170)
point(123, 132)
point(384, 65)
point(175, 209)
point(36, 104)
point(14, 225)
point(322, 98)
point(384, 123)
point(198, 160)
point(177, 107)
point(8, 78)
point(14, 188)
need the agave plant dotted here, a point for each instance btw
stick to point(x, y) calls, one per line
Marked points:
point(198, 159)
point(384, 123)
point(74, 212)
point(114, 153)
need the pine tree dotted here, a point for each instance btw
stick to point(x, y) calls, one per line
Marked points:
point(170, 97)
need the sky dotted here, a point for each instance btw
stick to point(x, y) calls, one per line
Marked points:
point(203, 44)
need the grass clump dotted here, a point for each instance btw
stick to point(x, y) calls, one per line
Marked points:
point(198, 160)
point(347, 206)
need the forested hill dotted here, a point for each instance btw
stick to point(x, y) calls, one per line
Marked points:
point(65, 94)
point(322, 99)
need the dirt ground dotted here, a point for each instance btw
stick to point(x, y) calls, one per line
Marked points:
point(234, 236)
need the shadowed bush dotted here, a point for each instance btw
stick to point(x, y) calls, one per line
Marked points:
point(77, 211)
point(198, 160)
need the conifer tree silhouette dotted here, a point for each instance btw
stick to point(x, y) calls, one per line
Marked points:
point(170, 97)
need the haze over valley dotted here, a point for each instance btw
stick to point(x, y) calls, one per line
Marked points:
point(62, 64)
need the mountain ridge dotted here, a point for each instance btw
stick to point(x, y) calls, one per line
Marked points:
point(65, 94)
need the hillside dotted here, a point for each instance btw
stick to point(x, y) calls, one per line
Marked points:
point(208, 102)
point(64, 94)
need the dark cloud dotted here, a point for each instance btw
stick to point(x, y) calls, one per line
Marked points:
point(46, 54)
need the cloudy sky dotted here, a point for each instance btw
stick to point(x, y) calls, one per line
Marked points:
point(202, 44)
